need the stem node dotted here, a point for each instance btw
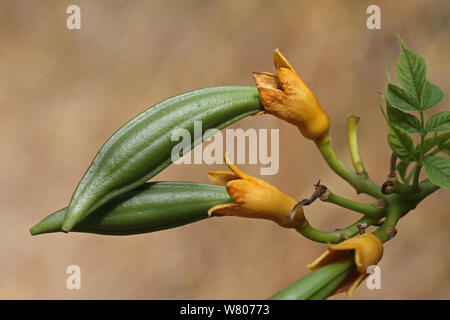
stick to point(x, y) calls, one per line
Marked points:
point(362, 227)
point(380, 203)
point(392, 232)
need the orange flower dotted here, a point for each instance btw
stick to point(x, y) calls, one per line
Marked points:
point(287, 97)
point(254, 198)
point(367, 250)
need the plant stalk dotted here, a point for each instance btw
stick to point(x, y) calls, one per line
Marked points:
point(352, 135)
point(367, 209)
point(362, 184)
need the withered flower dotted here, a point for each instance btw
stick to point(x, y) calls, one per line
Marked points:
point(254, 198)
point(366, 249)
point(287, 97)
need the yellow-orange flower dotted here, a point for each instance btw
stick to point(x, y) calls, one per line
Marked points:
point(254, 198)
point(288, 97)
point(367, 250)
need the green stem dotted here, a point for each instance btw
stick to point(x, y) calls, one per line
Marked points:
point(426, 188)
point(367, 209)
point(416, 176)
point(352, 135)
point(401, 188)
point(353, 229)
point(314, 234)
point(362, 184)
point(399, 205)
point(337, 236)
point(387, 230)
point(420, 162)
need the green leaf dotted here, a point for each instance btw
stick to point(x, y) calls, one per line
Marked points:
point(442, 138)
point(436, 140)
point(402, 119)
point(402, 167)
point(388, 76)
point(446, 149)
point(411, 71)
point(438, 170)
point(428, 144)
point(399, 140)
point(432, 95)
point(439, 122)
point(401, 143)
point(401, 98)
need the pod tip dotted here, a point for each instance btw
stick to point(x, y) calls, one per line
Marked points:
point(67, 225)
point(33, 231)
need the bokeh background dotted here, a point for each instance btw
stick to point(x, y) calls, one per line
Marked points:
point(64, 92)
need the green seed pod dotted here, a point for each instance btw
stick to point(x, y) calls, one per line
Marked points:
point(318, 284)
point(142, 147)
point(151, 207)
point(331, 286)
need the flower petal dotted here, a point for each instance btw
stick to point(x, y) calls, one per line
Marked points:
point(223, 208)
point(366, 249)
point(280, 61)
point(270, 98)
point(292, 84)
point(326, 258)
point(254, 198)
point(259, 113)
point(355, 284)
point(258, 199)
point(287, 97)
point(241, 174)
point(266, 80)
point(221, 178)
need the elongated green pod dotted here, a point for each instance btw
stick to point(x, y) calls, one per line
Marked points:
point(331, 286)
point(152, 207)
point(142, 147)
point(317, 284)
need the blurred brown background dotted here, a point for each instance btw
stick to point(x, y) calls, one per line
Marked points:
point(64, 92)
